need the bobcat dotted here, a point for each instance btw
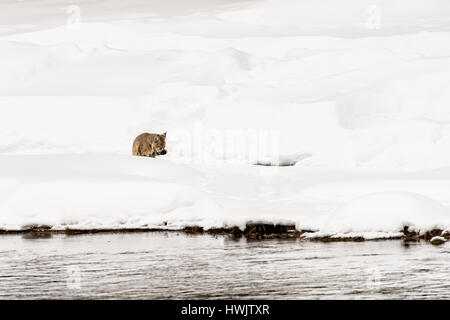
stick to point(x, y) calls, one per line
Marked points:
point(150, 145)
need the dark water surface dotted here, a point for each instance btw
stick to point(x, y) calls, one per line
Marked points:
point(178, 266)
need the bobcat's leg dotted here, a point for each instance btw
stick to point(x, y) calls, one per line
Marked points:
point(135, 149)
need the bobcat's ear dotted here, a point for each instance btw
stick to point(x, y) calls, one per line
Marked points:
point(165, 134)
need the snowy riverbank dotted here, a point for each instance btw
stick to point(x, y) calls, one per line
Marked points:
point(124, 192)
point(356, 113)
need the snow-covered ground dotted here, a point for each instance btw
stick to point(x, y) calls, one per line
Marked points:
point(353, 96)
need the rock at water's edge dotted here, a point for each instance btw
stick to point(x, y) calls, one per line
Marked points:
point(437, 240)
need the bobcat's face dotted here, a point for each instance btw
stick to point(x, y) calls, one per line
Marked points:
point(159, 143)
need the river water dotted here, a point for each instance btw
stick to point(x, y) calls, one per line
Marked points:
point(170, 265)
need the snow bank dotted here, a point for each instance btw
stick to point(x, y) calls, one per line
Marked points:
point(110, 204)
point(347, 109)
point(100, 192)
point(313, 73)
point(387, 212)
point(116, 192)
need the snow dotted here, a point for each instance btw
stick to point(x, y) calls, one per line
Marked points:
point(357, 115)
point(95, 192)
point(115, 191)
point(388, 212)
point(437, 240)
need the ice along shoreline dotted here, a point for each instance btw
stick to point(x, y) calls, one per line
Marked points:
point(252, 231)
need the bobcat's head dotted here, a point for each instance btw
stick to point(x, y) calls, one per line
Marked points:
point(159, 142)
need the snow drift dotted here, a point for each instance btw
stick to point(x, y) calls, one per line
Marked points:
point(365, 98)
point(100, 193)
point(388, 212)
point(349, 108)
point(122, 192)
